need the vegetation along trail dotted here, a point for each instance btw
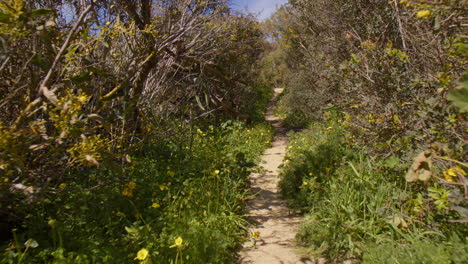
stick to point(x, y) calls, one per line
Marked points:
point(130, 129)
point(274, 227)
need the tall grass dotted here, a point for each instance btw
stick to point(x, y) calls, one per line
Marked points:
point(356, 206)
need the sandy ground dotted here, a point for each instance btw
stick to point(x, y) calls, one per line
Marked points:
point(267, 212)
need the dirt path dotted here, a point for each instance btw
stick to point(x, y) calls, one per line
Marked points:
point(268, 213)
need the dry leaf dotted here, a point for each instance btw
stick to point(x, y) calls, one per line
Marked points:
point(92, 160)
point(421, 168)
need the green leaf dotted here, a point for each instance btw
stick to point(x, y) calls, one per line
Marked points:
point(98, 71)
point(41, 12)
point(80, 78)
point(459, 97)
point(464, 80)
point(39, 61)
point(4, 18)
point(392, 162)
point(131, 231)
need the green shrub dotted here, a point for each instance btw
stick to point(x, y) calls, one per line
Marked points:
point(190, 186)
point(421, 252)
point(353, 201)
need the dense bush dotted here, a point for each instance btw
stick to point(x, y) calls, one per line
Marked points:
point(117, 131)
point(390, 65)
point(383, 86)
point(358, 206)
point(84, 84)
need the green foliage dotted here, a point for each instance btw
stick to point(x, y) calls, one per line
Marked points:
point(353, 201)
point(375, 92)
point(114, 118)
point(460, 96)
point(86, 84)
point(419, 252)
point(194, 191)
point(377, 65)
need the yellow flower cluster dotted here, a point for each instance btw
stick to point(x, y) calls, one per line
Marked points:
point(451, 174)
point(69, 107)
point(128, 190)
point(201, 133)
point(88, 151)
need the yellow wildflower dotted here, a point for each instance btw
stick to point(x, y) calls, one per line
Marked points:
point(155, 205)
point(451, 174)
point(62, 185)
point(171, 173)
point(83, 99)
point(119, 214)
point(131, 185)
point(177, 242)
point(127, 192)
point(423, 14)
point(371, 118)
point(256, 234)
point(216, 172)
point(142, 254)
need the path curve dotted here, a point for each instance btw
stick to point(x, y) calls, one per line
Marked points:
point(267, 212)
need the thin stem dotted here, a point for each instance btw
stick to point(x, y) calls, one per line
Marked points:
point(43, 87)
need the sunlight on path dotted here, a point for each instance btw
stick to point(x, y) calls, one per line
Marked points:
point(267, 212)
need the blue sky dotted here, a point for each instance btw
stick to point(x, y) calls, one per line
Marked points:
point(262, 7)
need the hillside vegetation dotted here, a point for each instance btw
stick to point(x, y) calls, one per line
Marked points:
point(382, 88)
point(128, 128)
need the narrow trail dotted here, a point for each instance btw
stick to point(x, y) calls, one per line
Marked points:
point(267, 212)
